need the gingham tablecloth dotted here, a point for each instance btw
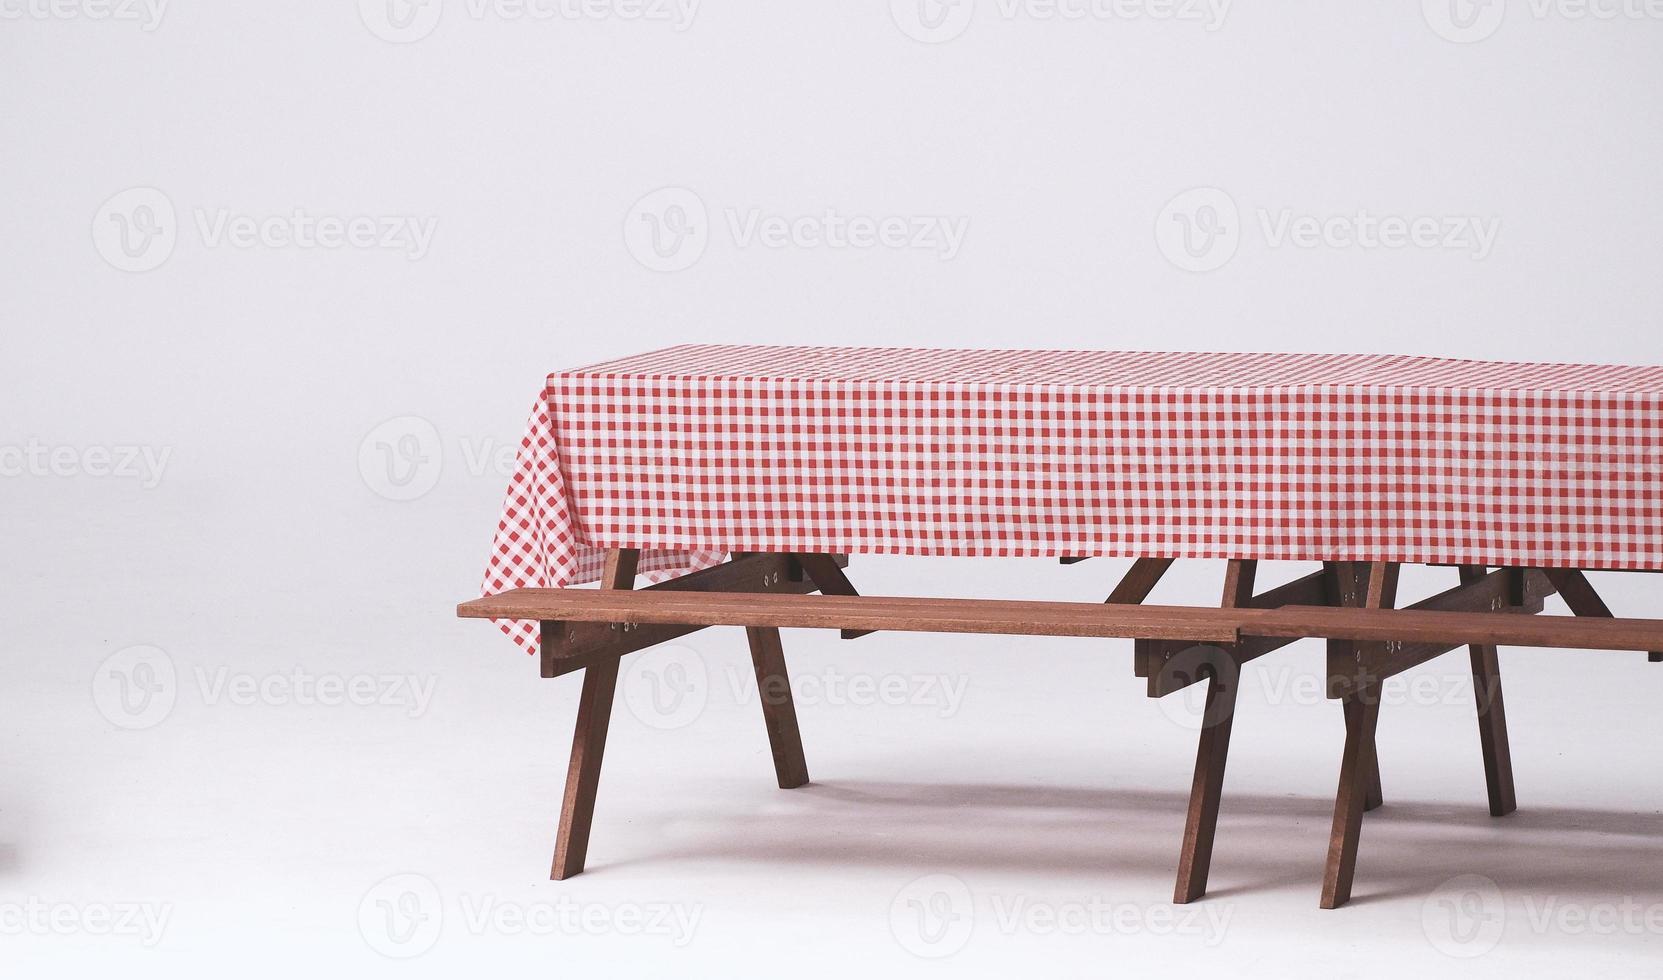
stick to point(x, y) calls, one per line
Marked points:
point(691, 452)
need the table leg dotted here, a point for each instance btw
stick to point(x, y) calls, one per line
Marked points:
point(1349, 801)
point(1372, 586)
point(594, 713)
point(1207, 788)
point(779, 711)
point(1213, 747)
point(1492, 714)
point(1351, 588)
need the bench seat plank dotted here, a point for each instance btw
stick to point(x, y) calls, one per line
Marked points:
point(1087, 619)
point(1008, 617)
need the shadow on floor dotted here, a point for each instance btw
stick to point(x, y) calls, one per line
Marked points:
point(1265, 843)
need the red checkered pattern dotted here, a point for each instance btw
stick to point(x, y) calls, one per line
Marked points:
point(692, 452)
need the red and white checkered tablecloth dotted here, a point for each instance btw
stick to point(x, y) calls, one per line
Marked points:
point(691, 452)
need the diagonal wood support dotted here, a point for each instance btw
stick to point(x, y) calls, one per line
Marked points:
point(594, 715)
point(571, 646)
point(1373, 587)
point(1223, 674)
point(827, 576)
point(1573, 586)
point(779, 710)
point(1341, 867)
point(1492, 715)
point(1353, 584)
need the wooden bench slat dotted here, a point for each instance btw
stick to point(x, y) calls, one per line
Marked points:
point(1031, 618)
point(928, 615)
point(1406, 626)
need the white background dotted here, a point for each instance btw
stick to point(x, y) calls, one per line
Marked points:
point(327, 428)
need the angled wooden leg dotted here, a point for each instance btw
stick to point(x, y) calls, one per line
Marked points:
point(1195, 859)
point(594, 713)
point(1492, 731)
point(1373, 797)
point(1492, 713)
point(779, 712)
point(828, 577)
point(1213, 748)
point(1348, 803)
point(1351, 588)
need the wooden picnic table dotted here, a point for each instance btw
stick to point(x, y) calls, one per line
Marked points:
point(738, 479)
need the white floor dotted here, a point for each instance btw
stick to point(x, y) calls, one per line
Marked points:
point(979, 805)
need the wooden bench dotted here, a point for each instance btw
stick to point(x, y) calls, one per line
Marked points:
point(1349, 604)
point(1189, 624)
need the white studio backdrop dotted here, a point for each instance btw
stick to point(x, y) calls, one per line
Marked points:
point(279, 282)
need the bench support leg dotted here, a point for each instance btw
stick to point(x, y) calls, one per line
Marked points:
point(779, 711)
point(1492, 719)
point(594, 713)
point(1351, 588)
point(1373, 796)
point(1372, 586)
point(1212, 750)
point(1195, 859)
point(1349, 803)
point(1492, 731)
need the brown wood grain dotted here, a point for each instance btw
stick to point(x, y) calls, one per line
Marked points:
point(779, 709)
point(829, 577)
point(1139, 581)
point(572, 646)
point(1341, 866)
point(1027, 618)
point(1212, 750)
point(1002, 616)
point(594, 715)
point(1492, 716)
